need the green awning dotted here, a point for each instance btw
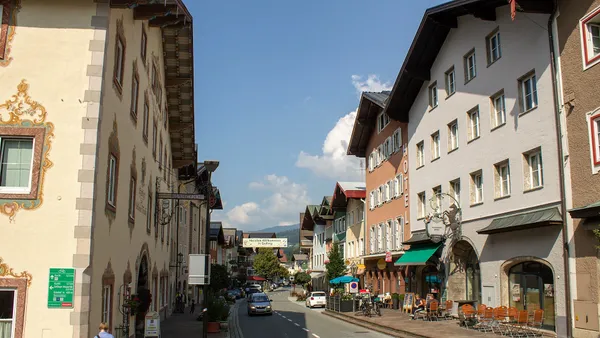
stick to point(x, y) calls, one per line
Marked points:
point(522, 221)
point(340, 237)
point(418, 254)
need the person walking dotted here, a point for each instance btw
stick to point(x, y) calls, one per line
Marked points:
point(103, 331)
point(193, 306)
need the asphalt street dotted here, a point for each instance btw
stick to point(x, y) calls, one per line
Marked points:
point(294, 320)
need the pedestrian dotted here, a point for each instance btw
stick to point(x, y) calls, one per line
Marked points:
point(103, 331)
point(193, 307)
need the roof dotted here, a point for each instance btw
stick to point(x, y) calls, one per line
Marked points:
point(307, 222)
point(369, 107)
point(419, 236)
point(524, 220)
point(262, 235)
point(429, 39)
point(282, 256)
point(176, 24)
point(299, 257)
point(216, 232)
point(345, 190)
point(590, 210)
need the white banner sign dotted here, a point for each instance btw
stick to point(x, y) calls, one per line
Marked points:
point(197, 269)
point(264, 242)
point(436, 229)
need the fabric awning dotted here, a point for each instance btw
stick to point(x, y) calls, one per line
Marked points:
point(317, 274)
point(255, 278)
point(340, 237)
point(418, 254)
point(525, 220)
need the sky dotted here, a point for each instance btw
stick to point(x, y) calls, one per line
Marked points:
point(277, 84)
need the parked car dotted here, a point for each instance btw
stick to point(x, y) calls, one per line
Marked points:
point(235, 293)
point(250, 292)
point(259, 304)
point(316, 298)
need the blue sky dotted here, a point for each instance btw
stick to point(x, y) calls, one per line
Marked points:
point(276, 83)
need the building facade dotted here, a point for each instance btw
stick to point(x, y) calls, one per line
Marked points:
point(577, 45)
point(348, 209)
point(381, 141)
point(101, 148)
point(484, 143)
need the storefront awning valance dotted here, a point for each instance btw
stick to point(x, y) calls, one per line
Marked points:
point(418, 254)
point(418, 237)
point(522, 221)
point(590, 210)
point(340, 237)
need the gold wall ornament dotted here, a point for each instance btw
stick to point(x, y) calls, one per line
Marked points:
point(7, 271)
point(21, 115)
point(8, 22)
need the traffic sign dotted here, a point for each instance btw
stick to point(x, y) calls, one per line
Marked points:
point(61, 287)
point(167, 195)
point(353, 287)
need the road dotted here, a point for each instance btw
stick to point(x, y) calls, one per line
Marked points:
point(294, 320)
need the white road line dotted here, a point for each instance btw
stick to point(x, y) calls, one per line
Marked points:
point(305, 329)
point(314, 335)
point(297, 324)
point(289, 320)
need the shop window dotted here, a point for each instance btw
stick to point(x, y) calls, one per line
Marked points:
point(531, 287)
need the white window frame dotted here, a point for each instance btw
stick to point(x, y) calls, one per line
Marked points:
point(593, 122)
point(386, 191)
point(12, 320)
point(392, 185)
point(106, 303)
point(539, 169)
point(499, 110)
point(435, 146)
point(120, 61)
point(382, 121)
point(470, 66)
point(132, 190)
point(390, 147)
point(18, 190)
point(380, 156)
point(529, 83)
point(361, 247)
point(372, 239)
point(586, 24)
point(420, 154)
point(399, 182)
point(372, 161)
point(389, 238)
point(450, 77)
point(421, 205)
point(478, 187)
point(474, 125)
point(438, 199)
point(112, 180)
point(455, 191)
point(371, 200)
point(380, 195)
point(399, 232)
point(433, 96)
point(493, 56)
point(397, 140)
point(379, 237)
point(504, 168)
point(453, 135)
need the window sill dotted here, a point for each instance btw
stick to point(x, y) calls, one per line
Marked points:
point(419, 167)
point(435, 159)
point(450, 95)
point(533, 189)
point(133, 116)
point(492, 62)
point(476, 204)
point(527, 111)
point(420, 218)
point(452, 150)
point(469, 80)
point(501, 197)
point(473, 139)
point(118, 87)
point(432, 107)
point(111, 207)
point(498, 126)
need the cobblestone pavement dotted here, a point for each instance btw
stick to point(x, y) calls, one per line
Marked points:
point(184, 325)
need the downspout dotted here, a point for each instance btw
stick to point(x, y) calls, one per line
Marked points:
point(563, 204)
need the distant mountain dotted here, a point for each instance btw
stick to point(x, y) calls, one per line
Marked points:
point(280, 228)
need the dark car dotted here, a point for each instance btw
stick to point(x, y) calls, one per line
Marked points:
point(259, 304)
point(235, 293)
point(250, 292)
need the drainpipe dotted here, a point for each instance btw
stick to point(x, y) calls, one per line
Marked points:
point(567, 248)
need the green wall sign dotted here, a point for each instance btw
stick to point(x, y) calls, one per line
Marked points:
point(61, 288)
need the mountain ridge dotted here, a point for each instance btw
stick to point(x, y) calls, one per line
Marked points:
point(279, 228)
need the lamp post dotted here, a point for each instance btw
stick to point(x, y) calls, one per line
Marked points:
point(176, 266)
point(353, 270)
point(210, 167)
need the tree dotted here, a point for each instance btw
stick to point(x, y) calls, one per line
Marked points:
point(302, 278)
point(283, 272)
point(266, 263)
point(219, 278)
point(336, 266)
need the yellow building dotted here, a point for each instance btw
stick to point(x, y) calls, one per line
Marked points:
point(96, 118)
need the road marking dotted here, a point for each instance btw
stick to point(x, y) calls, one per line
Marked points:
point(314, 335)
point(289, 320)
point(305, 329)
point(297, 324)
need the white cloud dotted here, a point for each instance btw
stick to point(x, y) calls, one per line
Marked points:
point(334, 163)
point(286, 200)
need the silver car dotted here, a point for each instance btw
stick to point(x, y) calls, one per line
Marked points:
point(259, 304)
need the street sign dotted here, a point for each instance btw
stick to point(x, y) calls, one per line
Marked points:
point(265, 242)
point(388, 257)
point(353, 287)
point(61, 287)
point(152, 327)
point(174, 196)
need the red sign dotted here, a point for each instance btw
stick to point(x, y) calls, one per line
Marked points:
point(388, 257)
point(363, 291)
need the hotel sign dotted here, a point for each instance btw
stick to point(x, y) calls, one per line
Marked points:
point(265, 242)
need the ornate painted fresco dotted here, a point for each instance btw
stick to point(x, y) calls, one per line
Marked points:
point(21, 115)
point(7, 271)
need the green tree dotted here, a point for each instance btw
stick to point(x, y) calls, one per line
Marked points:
point(283, 272)
point(336, 266)
point(302, 278)
point(266, 263)
point(219, 278)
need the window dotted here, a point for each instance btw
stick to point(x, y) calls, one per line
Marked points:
point(389, 147)
point(382, 121)
point(154, 136)
point(154, 78)
point(399, 232)
point(450, 81)
point(111, 194)
point(392, 185)
point(16, 163)
point(372, 200)
point(361, 247)
point(437, 198)
point(498, 110)
point(379, 155)
point(379, 238)
point(160, 154)
point(146, 119)
point(455, 190)
point(533, 170)
point(107, 304)
point(433, 96)
point(590, 37)
point(502, 178)
point(470, 66)
point(595, 138)
point(435, 145)
point(528, 92)
point(371, 161)
point(386, 191)
point(135, 89)
point(476, 187)
point(473, 119)
point(144, 44)
point(492, 43)
point(397, 140)
point(132, 187)
point(372, 239)
point(119, 62)
point(8, 311)
point(399, 183)
point(380, 195)
point(420, 155)
point(149, 213)
point(388, 236)
point(421, 205)
point(452, 135)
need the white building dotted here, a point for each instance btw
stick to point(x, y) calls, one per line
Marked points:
point(476, 89)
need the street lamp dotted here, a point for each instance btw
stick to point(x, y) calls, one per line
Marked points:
point(211, 167)
point(176, 266)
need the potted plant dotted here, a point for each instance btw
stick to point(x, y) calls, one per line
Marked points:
point(395, 300)
point(346, 303)
point(224, 324)
point(214, 311)
point(132, 303)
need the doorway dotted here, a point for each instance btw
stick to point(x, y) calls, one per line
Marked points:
point(531, 287)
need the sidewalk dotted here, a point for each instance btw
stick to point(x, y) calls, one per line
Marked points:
point(184, 325)
point(401, 323)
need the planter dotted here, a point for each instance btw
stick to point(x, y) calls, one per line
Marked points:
point(213, 327)
point(224, 325)
point(346, 305)
point(395, 303)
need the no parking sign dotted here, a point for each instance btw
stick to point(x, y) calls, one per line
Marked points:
point(353, 287)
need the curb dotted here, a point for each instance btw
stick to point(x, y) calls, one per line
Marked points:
point(374, 327)
point(234, 330)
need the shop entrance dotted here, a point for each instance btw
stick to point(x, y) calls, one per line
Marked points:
point(531, 287)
